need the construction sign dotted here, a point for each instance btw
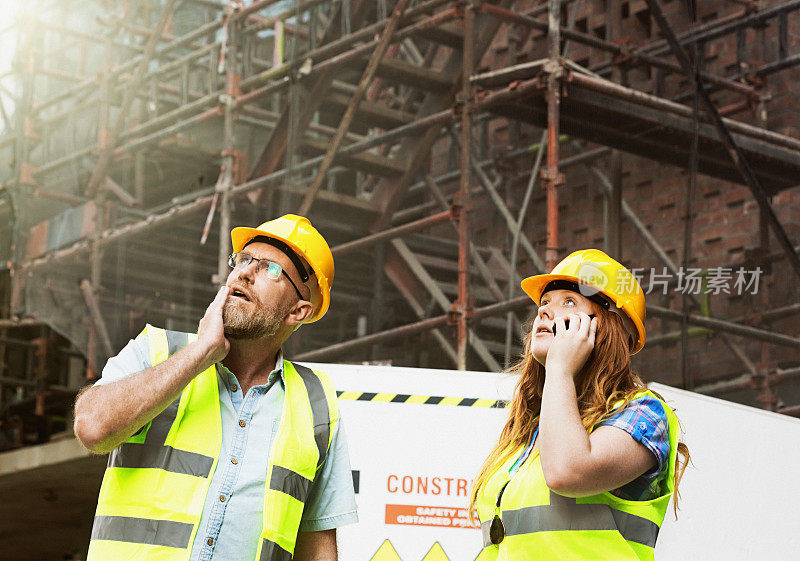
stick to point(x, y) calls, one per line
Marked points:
point(387, 552)
point(416, 438)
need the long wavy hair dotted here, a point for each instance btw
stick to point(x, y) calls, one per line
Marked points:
point(604, 380)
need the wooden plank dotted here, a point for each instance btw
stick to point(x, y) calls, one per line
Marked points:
point(448, 34)
point(365, 161)
point(399, 72)
point(373, 114)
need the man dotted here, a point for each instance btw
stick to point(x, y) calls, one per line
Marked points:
point(220, 448)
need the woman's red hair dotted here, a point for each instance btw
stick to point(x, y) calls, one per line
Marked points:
point(604, 380)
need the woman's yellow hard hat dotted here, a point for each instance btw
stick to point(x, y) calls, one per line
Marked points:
point(302, 238)
point(595, 272)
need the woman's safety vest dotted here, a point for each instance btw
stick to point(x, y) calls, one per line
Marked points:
point(544, 526)
point(156, 482)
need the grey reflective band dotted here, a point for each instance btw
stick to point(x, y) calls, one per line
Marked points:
point(565, 513)
point(320, 413)
point(160, 425)
point(134, 455)
point(142, 530)
point(153, 453)
point(270, 551)
point(289, 482)
point(176, 340)
point(485, 526)
point(636, 528)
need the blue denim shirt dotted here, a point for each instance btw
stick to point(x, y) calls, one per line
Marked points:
point(233, 510)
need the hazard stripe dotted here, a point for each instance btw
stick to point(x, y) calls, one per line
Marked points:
point(422, 399)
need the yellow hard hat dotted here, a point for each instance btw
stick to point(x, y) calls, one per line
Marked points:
point(593, 272)
point(303, 239)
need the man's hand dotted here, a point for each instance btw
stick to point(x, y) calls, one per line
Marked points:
point(211, 332)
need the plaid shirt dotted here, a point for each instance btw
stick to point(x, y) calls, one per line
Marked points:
point(646, 421)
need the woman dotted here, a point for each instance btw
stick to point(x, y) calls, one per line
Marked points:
point(586, 463)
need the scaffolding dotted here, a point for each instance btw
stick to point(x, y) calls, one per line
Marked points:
point(435, 143)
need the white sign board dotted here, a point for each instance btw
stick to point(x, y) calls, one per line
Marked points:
point(740, 496)
point(417, 438)
point(415, 461)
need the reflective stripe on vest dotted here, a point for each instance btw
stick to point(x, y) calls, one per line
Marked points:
point(294, 460)
point(142, 530)
point(486, 525)
point(540, 524)
point(270, 551)
point(148, 505)
point(289, 482)
point(153, 453)
point(564, 513)
point(320, 411)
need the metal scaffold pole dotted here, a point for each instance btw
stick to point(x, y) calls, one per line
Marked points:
point(420, 113)
point(461, 306)
point(227, 175)
point(352, 107)
point(550, 175)
point(107, 150)
point(733, 149)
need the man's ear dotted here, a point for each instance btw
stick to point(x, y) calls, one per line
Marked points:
point(299, 313)
point(316, 296)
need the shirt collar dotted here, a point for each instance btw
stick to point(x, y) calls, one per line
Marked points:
point(278, 370)
point(229, 378)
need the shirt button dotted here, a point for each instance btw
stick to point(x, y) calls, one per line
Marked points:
point(242, 423)
point(222, 498)
point(234, 388)
point(234, 461)
point(210, 541)
point(642, 426)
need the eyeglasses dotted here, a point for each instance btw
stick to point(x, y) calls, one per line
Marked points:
point(273, 270)
point(497, 532)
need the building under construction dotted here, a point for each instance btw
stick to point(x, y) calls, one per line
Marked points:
point(445, 149)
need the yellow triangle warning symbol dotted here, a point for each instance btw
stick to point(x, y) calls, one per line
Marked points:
point(436, 553)
point(386, 552)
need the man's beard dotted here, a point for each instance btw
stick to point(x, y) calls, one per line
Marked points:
point(263, 322)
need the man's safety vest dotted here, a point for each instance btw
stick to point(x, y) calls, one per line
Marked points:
point(544, 526)
point(156, 482)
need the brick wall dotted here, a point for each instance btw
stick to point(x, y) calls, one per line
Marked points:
point(726, 223)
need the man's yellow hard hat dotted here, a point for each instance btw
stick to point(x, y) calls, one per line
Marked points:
point(593, 272)
point(303, 239)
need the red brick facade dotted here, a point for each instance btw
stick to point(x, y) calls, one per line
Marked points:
point(726, 224)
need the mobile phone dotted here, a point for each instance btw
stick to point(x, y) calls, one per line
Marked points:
point(566, 323)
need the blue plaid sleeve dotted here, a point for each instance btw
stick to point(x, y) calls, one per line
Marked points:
point(646, 421)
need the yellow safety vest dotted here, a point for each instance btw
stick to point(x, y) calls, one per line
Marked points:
point(544, 526)
point(156, 482)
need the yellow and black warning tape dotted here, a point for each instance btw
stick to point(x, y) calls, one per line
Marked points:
point(422, 399)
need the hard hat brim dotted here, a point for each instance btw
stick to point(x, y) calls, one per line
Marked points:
point(241, 235)
point(534, 285)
